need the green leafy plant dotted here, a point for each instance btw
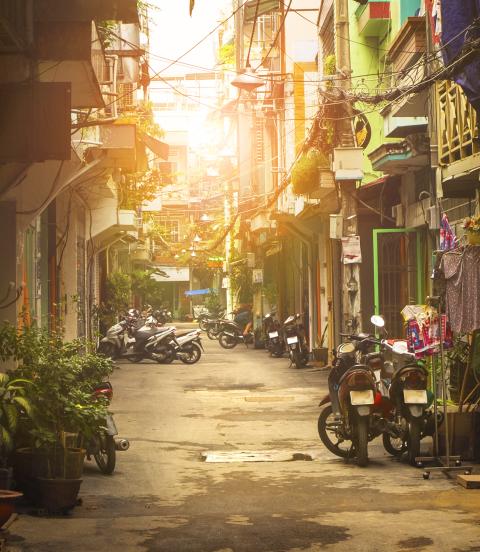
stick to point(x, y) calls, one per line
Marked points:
point(14, 404)
point(305, 171)
point(60, 398)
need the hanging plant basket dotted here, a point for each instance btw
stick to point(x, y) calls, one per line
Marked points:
point(307, 171)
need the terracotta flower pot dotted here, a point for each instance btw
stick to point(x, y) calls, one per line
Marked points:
point(57, 495)
point(30, 464)
point(7, 504)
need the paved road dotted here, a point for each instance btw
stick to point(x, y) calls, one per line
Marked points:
point(164, 498)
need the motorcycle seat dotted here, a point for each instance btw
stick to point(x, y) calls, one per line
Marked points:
point(182, 334)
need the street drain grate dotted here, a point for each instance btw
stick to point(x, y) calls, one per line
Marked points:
point(255, 456)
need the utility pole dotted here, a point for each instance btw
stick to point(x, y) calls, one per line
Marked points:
point(351, 306)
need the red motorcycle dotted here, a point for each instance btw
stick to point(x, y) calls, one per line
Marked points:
point(103, 445)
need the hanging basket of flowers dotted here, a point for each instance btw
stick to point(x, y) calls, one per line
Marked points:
point(472, 227)
point(309, 170)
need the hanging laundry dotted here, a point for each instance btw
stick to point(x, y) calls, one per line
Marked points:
point(461, 268)
point(460, 26)
point(448, 240)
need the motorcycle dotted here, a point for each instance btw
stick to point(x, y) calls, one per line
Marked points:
point(356, 410)
point(159, 344)
point(119, 340)
point(408, 393)
point(294, 341)
point(274, 342)
point(162, 316)
point(206, 318)
point(190, 347)
point(233, 333)
point(103, 445)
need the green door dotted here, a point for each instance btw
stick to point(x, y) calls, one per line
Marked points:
point(398, 277)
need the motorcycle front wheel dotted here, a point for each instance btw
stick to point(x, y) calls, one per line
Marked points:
point(326, 432)
point(212, 334)
point(361, 445)
point(191, 354)
point(227, 341)
point(105, 457)
point(203, 324)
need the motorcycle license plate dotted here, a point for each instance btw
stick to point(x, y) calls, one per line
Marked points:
point(414, 396)
point(361, 397)
point(292, 340)
point(271, 335)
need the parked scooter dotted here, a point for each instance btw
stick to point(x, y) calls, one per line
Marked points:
point(103, 445)
point(274, 342)
point(189, 348)
point(408, 393)
point(357, 408)
point(119, 340)
point(233, 333)
point(206, 318)
point(294, 340)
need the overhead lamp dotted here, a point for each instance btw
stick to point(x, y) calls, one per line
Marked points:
point(205, 218)
point(197, 238)
point(193, 254)
point(177, 256)
point(247, 81)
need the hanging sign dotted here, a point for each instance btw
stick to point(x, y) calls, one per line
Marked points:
point(351, 252)
point(257, 275)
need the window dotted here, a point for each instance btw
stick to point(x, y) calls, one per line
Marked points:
point(168, 229)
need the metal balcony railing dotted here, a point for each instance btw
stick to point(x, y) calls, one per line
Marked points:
point(457, 124)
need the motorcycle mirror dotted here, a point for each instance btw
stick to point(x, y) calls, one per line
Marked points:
point(377, 321)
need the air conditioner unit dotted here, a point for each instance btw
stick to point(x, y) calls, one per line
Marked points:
point(336, 227)
point(398, 215)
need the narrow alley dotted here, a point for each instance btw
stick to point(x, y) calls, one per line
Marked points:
point(164, 498)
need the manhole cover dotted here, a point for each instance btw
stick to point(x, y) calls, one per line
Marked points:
point(255, 456)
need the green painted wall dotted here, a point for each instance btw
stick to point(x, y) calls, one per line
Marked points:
point(368, 57)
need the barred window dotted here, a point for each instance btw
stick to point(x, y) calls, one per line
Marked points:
point(168, 229)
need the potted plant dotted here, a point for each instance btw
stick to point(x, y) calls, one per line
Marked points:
point(472, 227)
point(63, 406)
point(311, 172)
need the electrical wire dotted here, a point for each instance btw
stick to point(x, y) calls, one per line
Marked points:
point(158, 73)
point(49, 195)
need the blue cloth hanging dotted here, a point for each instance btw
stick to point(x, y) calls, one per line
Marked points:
point(457, 16)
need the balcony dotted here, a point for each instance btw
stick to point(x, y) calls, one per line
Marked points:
point(412, 153)
point(72, 52)
point(457, 123)
point(409, 44)
point(373, 18)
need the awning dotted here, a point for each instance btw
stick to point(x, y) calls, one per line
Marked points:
point(260, 7)
point(160, 149)
point(192, 292)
